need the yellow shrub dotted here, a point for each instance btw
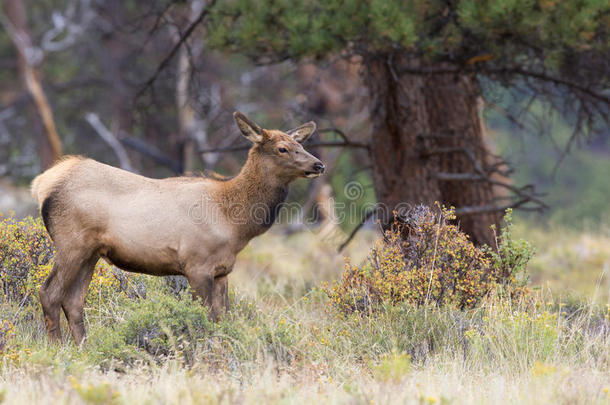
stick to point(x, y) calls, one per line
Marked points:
point(424, 258)
point(26, 259)
point(7, 331)
point(26, 254)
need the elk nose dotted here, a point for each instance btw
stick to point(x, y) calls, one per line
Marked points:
point(318, 167)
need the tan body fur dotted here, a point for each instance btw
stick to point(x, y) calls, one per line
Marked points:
point(177, 226)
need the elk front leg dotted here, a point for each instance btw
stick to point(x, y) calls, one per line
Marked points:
point(202, 284)
point(220, 295)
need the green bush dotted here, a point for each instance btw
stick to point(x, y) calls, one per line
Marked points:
point(510, 258)
point(425, 259)
point(161, 324)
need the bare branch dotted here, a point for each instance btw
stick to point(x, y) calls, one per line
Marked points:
point(356, 229)
point(334, 130)
point(459, 177)
point(486, 209)
point(525, 193)
point(29, 56)
point(152, 152)
point(505, 114)
point(110, 139)
point(519, 191)
point(309, 144)
point(187, 33)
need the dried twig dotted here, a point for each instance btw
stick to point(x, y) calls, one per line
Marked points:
point(356, 229)
point(486, 209)
point(505, 114)
point(485, 175)
point(187, 33)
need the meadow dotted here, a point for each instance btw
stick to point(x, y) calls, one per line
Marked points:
point(285, 342)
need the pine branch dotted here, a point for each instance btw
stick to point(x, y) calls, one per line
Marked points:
point(426, 70)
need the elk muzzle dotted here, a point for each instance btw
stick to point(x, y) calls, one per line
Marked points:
point(316, 170)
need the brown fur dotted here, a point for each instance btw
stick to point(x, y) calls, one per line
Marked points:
point(178, 226)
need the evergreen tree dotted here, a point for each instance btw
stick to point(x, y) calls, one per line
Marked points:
point(425, 62)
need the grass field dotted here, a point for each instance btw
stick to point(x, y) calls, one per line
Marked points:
point(283, 343)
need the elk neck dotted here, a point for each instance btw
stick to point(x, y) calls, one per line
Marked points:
point(258, 192)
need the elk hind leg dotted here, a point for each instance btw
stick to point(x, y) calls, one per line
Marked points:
point(50, 299)
point(53, 291)
point(74, 299)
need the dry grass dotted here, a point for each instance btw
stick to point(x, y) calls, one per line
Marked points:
point(435, 383)
point(570, 262)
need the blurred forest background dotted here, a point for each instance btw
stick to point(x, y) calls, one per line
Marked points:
point(151, 86)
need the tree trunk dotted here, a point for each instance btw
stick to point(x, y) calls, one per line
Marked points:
point(48, 141)
point(422, 126)
point(186, 114)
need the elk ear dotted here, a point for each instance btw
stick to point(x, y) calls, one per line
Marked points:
point(300, 134)
point(248, 128)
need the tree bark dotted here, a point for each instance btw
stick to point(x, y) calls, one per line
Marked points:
point(417, 120)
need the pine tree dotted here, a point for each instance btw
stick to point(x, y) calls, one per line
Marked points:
point(424, 64)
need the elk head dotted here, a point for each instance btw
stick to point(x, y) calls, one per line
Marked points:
point(281, 153)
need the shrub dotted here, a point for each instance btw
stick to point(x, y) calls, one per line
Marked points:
point(510, 259)
point(26, 254)
point(7, 331)
point(392, 367)
point(102, 394)
point(26, 259)
point(425, 259)
point(162, 324)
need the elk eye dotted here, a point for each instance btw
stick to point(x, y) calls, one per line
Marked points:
point(282, 150)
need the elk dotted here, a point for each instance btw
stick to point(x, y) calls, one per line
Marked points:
point(190, 226)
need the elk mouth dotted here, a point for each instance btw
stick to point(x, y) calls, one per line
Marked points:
point(312, 174)
point(318, 169)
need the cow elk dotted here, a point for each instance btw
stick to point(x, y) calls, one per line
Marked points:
point(190, 226)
